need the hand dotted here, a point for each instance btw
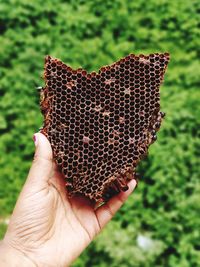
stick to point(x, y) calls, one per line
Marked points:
point(47, 228)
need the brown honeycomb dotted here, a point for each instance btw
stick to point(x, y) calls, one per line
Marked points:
point(100, 125)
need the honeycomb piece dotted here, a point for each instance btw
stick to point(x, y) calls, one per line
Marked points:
point(100, 125)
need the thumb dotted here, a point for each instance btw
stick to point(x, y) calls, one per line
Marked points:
point(42, 165)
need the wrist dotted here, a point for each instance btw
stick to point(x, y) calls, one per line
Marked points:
point(11, 257)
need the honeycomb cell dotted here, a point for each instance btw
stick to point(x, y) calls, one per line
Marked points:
point(100, 125)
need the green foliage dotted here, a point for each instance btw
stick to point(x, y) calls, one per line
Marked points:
point(166, 205)
point(2, 229)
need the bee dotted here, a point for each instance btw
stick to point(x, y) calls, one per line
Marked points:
point(157, 125)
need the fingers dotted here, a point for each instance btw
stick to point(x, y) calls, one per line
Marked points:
point(43, 162)
point(106, 212)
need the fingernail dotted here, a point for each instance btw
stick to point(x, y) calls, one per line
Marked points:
point(35, 139)
point(132, 184)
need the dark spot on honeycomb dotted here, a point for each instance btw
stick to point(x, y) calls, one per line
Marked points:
point(100, 125)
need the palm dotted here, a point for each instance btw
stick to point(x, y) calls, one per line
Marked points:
point(71, 223)
point(48, 226)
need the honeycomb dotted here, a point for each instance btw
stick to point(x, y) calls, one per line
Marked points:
point(100, 124)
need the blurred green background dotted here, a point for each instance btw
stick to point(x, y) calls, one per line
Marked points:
point(159, 225)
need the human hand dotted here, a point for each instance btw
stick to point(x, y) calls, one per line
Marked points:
point(46, 227)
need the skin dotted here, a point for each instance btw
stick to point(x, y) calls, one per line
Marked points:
point(46, 227)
